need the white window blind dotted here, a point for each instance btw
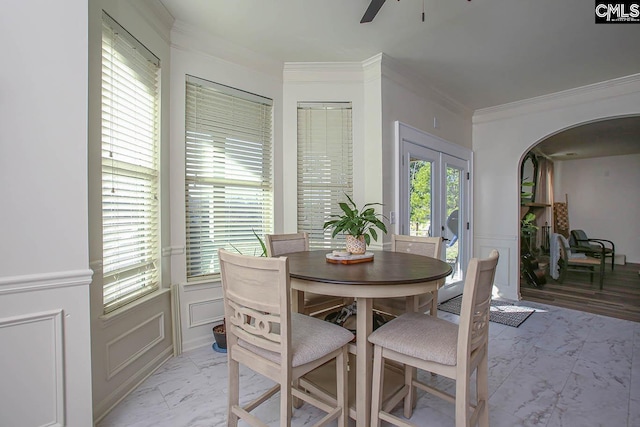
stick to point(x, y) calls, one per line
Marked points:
point(229, 190)
point(325, 167)
point(130, 175)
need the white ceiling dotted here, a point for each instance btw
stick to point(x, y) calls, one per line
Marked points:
point(481, 53)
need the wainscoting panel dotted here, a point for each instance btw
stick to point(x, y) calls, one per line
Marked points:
point(131, 345)
point(506, 281)
point(37, 359)
point(205, 312)
point(201, 306)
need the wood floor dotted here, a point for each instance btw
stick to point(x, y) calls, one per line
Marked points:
point(620, 296)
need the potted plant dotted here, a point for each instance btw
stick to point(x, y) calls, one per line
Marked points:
point(220, 336)
point(359, 225)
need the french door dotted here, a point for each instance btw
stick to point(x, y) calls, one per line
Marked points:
point(434, 199)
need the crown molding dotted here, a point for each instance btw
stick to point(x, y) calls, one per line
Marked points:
point(156, 15)
point(398, 72)
point(187, 39)
point(322, 72)
point(566, 98)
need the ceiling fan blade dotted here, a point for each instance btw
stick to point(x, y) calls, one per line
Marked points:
point(372, 10)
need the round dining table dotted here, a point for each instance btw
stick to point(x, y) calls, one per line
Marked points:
point(389, 274)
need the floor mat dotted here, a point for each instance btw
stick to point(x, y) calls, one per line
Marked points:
point(502, 312)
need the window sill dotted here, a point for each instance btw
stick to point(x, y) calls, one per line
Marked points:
point(123, 312)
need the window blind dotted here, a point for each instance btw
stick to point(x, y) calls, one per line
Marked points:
point(130, 175)
point(325, 167)
point(229, 183)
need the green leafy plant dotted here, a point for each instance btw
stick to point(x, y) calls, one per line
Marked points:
point(528, 229)
point(524, 195)
point(262, 245)
point(357, 222)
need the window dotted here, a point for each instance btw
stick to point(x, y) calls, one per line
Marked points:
point(229, 183)
point(325, 171)
point(130, 175)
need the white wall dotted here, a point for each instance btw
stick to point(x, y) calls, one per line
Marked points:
point(44, 262)
point(604, 199)
point(501, 137)
point(199, 305)
point(410, 100)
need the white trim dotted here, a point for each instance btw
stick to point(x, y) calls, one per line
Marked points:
point(45, 281)
point(415, 83)
point(572, 97)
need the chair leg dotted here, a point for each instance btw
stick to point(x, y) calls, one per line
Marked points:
point(234, 392)
point(482, 387)
point(286, 401)
point(377, 384)
point(462, 401)
point(434, 304)
point(342, 392)
point(613, 258)
point(410, 398)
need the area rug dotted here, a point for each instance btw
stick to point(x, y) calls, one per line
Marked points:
point(502, 312)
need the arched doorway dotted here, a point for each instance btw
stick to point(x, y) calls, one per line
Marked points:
point(587, 167)
point(501, 137)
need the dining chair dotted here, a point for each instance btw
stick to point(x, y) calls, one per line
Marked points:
point(592, 246)
point(265, 336)
point(425, 246)
point(570, 259)
point(279, 244)
point(441, 347)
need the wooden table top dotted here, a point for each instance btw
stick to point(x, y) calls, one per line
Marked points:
point(386, 268)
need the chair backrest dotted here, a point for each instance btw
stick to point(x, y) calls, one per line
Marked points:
point(580, 239)
point(278, 244)
point(473, 331)
point(425, 246)
point(256, 301)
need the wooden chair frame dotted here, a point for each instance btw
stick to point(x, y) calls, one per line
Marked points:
point(471, 355)
point(425, 246)
point(594, 247)
point(257, 301)
point(280, 244)
point(586, 264)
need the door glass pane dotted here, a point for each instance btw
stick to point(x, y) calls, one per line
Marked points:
point(420, 191)
point(452, 230)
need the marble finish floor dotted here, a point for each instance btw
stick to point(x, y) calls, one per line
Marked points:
point(561, 367)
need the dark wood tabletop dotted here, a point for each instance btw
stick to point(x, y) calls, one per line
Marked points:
point(386, 268)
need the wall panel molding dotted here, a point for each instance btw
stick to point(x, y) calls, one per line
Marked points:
point(128, 347)
point(205, 311)
point(34, 345)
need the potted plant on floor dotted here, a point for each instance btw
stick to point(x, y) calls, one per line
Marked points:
point(359, 225)
point(220, 336)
